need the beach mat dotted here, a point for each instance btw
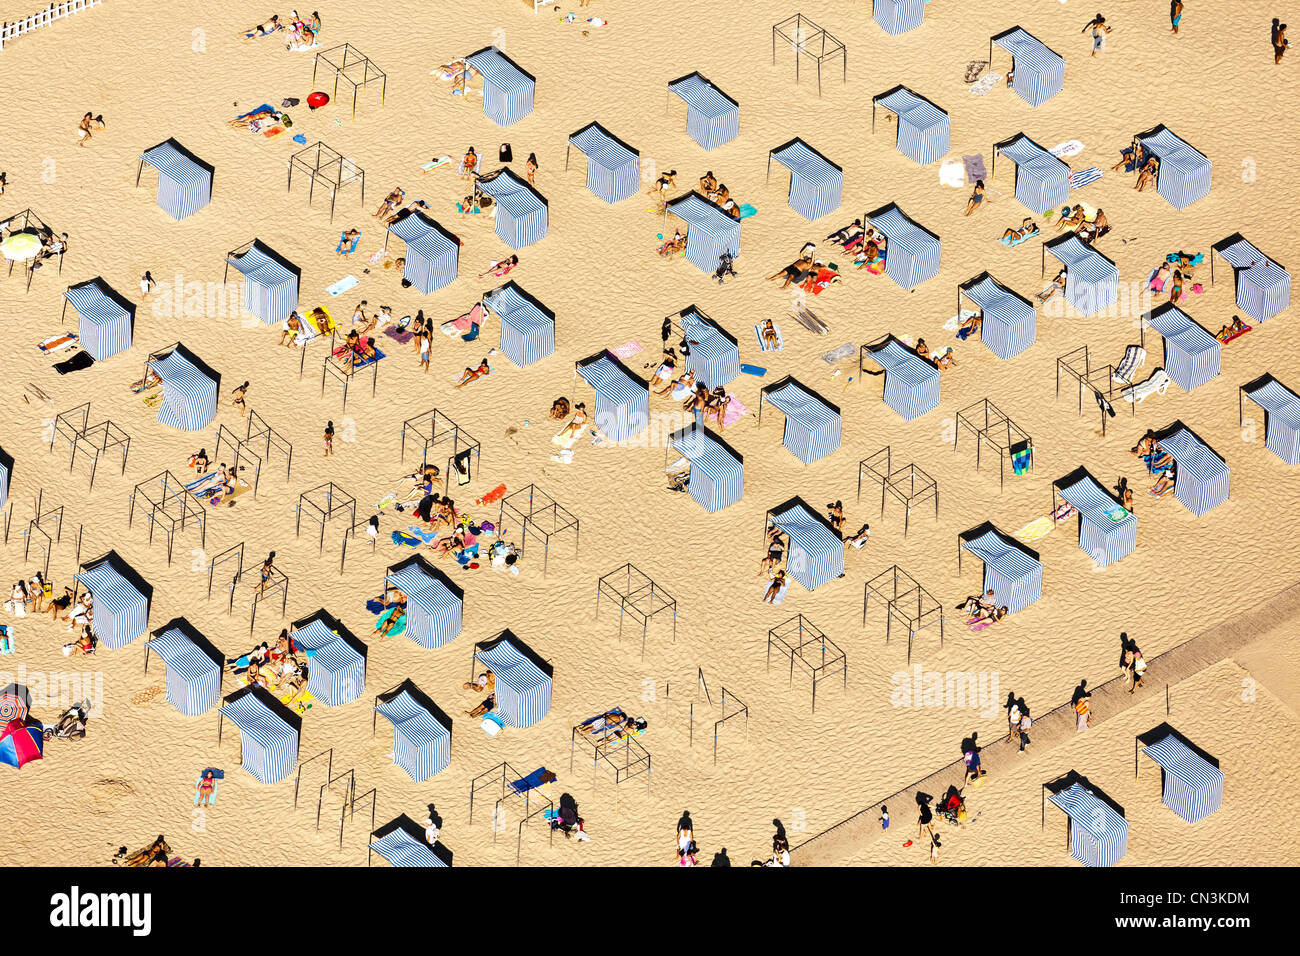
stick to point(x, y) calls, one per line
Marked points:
point(974, 167)
point(1071, 147)
point(735, 411)
point(838, 354)
point(1085, 176)
point(81, 360)
point(780, 339)
point(753, 370)
point(627, 350)
point(338, 288)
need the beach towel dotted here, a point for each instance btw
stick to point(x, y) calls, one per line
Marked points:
point(401, 537)
point(347, 282)
point(534, 781)
point(462, 323)
point(735, 411)
point(1085, 176)
point(780, 341)
point(952, 172)
point(746, 210)
point(361, 362)
point(627, 350)
point(81, 360)
point(837, 354)
point(1225, 339)
point(780, 595)
point(401, 336)
point(975, 168)
point(986, 83)
point(265, 107)
point(436, 164)
point(1038, 528)
point(1070, 147)
point(57, 343)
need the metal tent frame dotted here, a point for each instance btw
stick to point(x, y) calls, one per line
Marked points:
point(637, 594)
point(340, 64)
point(328, 166)
point(803, 35)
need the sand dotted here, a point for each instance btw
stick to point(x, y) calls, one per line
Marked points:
point(136, 770)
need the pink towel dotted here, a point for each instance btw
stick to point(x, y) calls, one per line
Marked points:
point(735, 411)
point(627, 350)
point(473, 317)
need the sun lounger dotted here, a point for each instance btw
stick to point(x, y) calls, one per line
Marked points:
point(1135, 356)
point(1157, 384)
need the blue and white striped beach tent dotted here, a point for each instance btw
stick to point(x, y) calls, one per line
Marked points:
point(421, 731)
point(711, 231)
point(923, 128)
point(1010, 322)
point(613, 167)
point(1042, 180)
point(717, 470)
point(1098, 830)
point(1012, 572)
point(521, 209)
point(1281, 416)
point(190, 387)
point(911, 382)
point(6, 475)
point(194, 666)
point(1263, 285)
point(435, 604)
point(1191, 783)
point(1202, 478)
point(715, 353)
point(1191, 350)
point(812, 424)
point(401, 842)
point(816, 552)
point(336, 669)
point(432, 253)
point(816, 184)
point(507, 87)
point(270, 281)
point(105, 317)
point(1040, 72)
point(524, 679)
point(269, 732)
point(527, 326)
point(184, 180)
point(912, 251)
point(1184, 173)
point(622, 396)
point(1107, 530)
point(1091, 280)
point(122, 599)
point(898, 16)
point(712, 117)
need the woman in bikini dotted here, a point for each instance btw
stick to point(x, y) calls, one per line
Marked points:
point(1176, 289)
point(1073, 220)
point(774, 589)
point(775, 551)
point(501, 267)
point(469, 164)
point(575, 426)
point(238, 397)
point(660, 187)
point(1057, 285)
point(1147, 175)
point(471, 374)
point(976, 198)
point(770, 339)
point(835, 513)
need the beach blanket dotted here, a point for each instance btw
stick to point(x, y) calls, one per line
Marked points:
point(1017, 240)
point(361, 361)
point(401, 537)
point(627, 350)
point(735, 411)
point(975, 168)
point(57, 343)
point(1071, 147)
point(1225, 339)
point(763, 347)
point(347, 282)
point(436, 164)
point(534, 781)
point(462, 323)
point(986, 83)
point(837, 354)
point(952, 172)
point(81, 360)
point(1085, 176)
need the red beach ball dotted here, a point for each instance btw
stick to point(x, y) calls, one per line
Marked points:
point(317, 100)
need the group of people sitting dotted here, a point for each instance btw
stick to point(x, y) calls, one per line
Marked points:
point(982, 608)
point(1076, 220)
point(945, 358)
point(1175, 274)
point(835, 515)
point(696, 396)
point(301, 33)
point(485, 683)
point(279, 669)
point(1159, 462)
point(1134, 158)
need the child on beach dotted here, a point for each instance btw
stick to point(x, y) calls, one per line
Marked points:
point(329, 439)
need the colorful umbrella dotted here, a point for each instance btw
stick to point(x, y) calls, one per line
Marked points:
point(14, 703)
point(21, 246)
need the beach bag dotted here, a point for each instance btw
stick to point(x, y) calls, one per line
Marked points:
point(289, 101)
point(1081, 707)
point(505, 154)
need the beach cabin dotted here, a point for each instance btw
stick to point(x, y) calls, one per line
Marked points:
point(435, 604)
point(432, 257)
point(816, 552)
point(1201, 481)
point(507, 88)
point(190, 387)
point(1263, 285)
point(712, 117)
point(1098, 832)
point(717, 476)
point(1010, 322)
point(1281, 416)
point(911, 251)
point(816, 184)
point(613, 167)
point(421, 731)
point(1012, 571)
point(105, 317)
point(710, 231)
point(336, 671)
point(402, 843)
point(911, 381)
point(1091, 280)
point(812, 424)
point(622, 397)
point(714, 352)
point(6, 475)
point(524, 679)
point(521, 210)
point(527, 326)
point(1042, 180)
point(194, 666)
point(923, 128)
point(1191, 350)
point(898, 16)
point(1184, 173)
point(1107, 530)
point(184, 180)
point(270, 281)
point(269, 732)
point(122, 599)
point(1191, 783)
point(1039, 71)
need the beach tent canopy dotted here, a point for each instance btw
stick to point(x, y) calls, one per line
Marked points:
point(1040, 72)
point(1010, 323)
point(270, 281)
point(1191, 783)
point(184, 180)
point(1191, 350)
point(1263, 286)
point(711, 231)
point(1107, 530)
point(911, 381)
point(432, 253)
point(105, 317)
point(622, 396)
point(507, 87)
point(1042, 180)
point(269, 732)
point(1098, 830)
point(816, 184)
point(521, 209)
point(923, 128)
point(912, 252)
point(613, 167)
point(1202, 478)
point(6, 475)
point(401, 842)
point(1184, 173)
point(812, 424)
point(714, 352)
point(189, 400)
point(122, 599)
point(194, 666)
point(1011, 571)
point(898, 16)
point(816, 552)
point(717, 470)
point(1281, 416)
point(523, 689)
point(712, 117)
point(435, 604)
point(421, 731)
point(1091, 280)
point(527, 326)
point(336, 674)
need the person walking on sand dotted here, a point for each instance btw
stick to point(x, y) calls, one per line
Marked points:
point(1175, 14)
point(970, 751)
point(264, 575)
point(329, 439)
point(1280, 42)
point(237, 399)
point(1082, 707)
point(1099, 30)
point(146, 284)
point(685, 832)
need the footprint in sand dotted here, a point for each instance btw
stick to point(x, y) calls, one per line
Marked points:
point(107, 795)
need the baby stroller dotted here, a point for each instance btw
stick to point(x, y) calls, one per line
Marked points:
point(726, 266)
point(71, 725)
point(952, 807)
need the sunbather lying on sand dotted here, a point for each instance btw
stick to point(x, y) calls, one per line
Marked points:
point(1057, 285)
point(1027, 228)
point(472, 373)
point(773, 589)
point(243, 122)
point(263, 29)
point(489, 704)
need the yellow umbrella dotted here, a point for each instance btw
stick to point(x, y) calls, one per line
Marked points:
point(21, 246)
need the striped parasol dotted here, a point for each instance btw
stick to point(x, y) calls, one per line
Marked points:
point(14, 703)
